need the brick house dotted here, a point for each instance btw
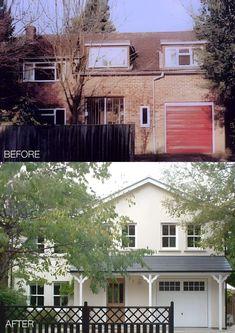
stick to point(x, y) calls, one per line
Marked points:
point(152, 80)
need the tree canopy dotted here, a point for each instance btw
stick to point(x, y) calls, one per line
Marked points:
point(204, 194)
point(53, 202)
point(216, 24)
point(94, 18)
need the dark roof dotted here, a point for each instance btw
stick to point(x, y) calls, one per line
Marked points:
point(180, 264)
point(185, 264)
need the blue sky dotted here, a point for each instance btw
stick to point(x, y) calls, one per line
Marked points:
point(153, 15)
point(127, 15)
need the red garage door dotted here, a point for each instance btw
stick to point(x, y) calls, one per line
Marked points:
point(189, 129)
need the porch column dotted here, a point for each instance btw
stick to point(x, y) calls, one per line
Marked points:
point(220, 279)
point(150, 279)
point(80, 281)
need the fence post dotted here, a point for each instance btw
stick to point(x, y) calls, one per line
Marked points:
point(2, 318)
point(85, 318)
point(171, 318)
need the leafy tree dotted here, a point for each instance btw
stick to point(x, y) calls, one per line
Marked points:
point(53, 201)
point(94, 18)
point(14, 102)
point(203, 194)
point(216, 24)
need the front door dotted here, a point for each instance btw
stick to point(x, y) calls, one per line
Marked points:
point(116, 300)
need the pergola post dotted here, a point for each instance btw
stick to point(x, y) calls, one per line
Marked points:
point(80, 281)
point(150, 279)
point(220, 279)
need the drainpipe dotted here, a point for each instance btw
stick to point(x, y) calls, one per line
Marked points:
point(161, 76)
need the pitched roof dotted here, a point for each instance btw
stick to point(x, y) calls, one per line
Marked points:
point(146, 45)
point(133, 186)
point(182, 264)
point(179, 264)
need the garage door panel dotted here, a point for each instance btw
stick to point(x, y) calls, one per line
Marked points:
point(190, 301)
point(189, 129)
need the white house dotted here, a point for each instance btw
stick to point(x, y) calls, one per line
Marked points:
point(178, 271)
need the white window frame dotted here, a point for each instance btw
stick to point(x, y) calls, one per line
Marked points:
point(54, 113)
point(58, 295)
point(99, 49)
point(177, 50)
point(194, 236)
point(121, 113)
point(33, 64)
point(168, 284)
point(142, 124)
point(128, 236)
point(39, 244)
point(36, 294)
point(166, 248)
point(194, 282)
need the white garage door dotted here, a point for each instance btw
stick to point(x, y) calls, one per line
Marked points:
point(190, 300)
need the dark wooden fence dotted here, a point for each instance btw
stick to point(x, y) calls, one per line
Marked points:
point(67, 143)
point(86, 319)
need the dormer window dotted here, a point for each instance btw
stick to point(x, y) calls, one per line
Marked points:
point(110, 55)
point(181, 56)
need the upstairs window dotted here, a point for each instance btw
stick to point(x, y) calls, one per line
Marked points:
point(181, 57)
point(129, 234)
point(193, 236)
point(168, 235)
point(41, 71)
point(108, 57)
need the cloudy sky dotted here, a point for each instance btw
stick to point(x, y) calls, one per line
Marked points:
point(124, 174)
point(127, 15)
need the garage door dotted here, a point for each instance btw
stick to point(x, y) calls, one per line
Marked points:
point(190, 300)
point(189, 129)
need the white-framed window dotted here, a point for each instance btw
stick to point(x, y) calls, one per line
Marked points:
point(181, 56)
point(108, 57)
point(144, 116)
point(58, 248)
point(51, 116)
point(40, 243)
point(42, 71)
point(169, 285)
point(104, 110)
point(168, 235)
point(194, 286)
point(129, 234)
point(58, 298)
point(36, 295)
point(193, 236)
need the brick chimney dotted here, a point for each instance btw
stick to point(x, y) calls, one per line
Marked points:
point(30, 33)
